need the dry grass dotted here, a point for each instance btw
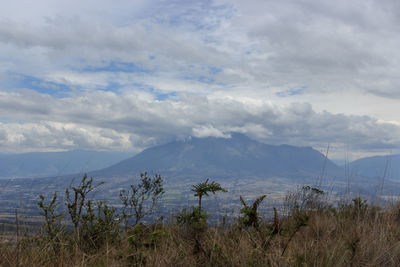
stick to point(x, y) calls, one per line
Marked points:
point(347, 236)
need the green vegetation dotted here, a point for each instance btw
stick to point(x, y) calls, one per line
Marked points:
point(52, 225)
point(250, 215)
point(202, 189)
point(310, 233)
point(134, 200)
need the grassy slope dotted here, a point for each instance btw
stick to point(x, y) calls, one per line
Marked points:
point(347, 236)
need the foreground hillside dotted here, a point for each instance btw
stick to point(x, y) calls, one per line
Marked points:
point(306, 232)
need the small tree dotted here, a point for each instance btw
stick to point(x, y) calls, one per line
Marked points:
point(100, 225)
point(53, 226)
point(134, 200)
point(250, 215)
point(202, 189)
point(77, 199)
point(305, 198)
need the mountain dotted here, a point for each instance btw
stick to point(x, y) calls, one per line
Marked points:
point(223, 157)
point(243, 166)
point(375, 166)
point(41, 164)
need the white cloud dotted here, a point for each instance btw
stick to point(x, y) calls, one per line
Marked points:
point(208, 131)
point(44, 136)
point(223, 63)
point(130, 121)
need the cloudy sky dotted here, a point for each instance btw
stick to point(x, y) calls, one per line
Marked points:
point(126, 75)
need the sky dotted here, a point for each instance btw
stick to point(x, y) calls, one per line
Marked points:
point(127, 75)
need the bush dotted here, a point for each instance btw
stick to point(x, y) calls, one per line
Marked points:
point(148, 191)
point(305, 198)
point(53, 227)
point(249, 213)
point(100, 226)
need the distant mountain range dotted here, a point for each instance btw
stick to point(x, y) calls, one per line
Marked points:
point(44, 164)
point(375, 166)
point(223, 157)
point(237, 156)
point(244, 167)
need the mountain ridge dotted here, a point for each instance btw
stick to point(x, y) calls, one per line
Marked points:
point(45, 164)
point(237, 155)
point(375, 166)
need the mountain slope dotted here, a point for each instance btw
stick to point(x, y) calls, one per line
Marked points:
point(375, 166)
point(40, 164)
point(222, 157)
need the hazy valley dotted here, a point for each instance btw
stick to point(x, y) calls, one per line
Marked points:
point(243, 166)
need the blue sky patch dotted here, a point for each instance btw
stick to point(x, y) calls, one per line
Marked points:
point(165, 96)
point(199, 78)
point(128, 67)
point(111, 87)
point(214, 70)
point(16, 81)
point(292, 91)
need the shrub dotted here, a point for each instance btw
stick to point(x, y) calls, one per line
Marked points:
point(134, 200)
point(77, 201)
point(305, 198)
point(53, 227)
point(100, 225)
point(249, 213)
point(191, 217)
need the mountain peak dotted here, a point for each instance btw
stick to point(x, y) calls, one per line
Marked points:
point(222, 157)
point(230, 136)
